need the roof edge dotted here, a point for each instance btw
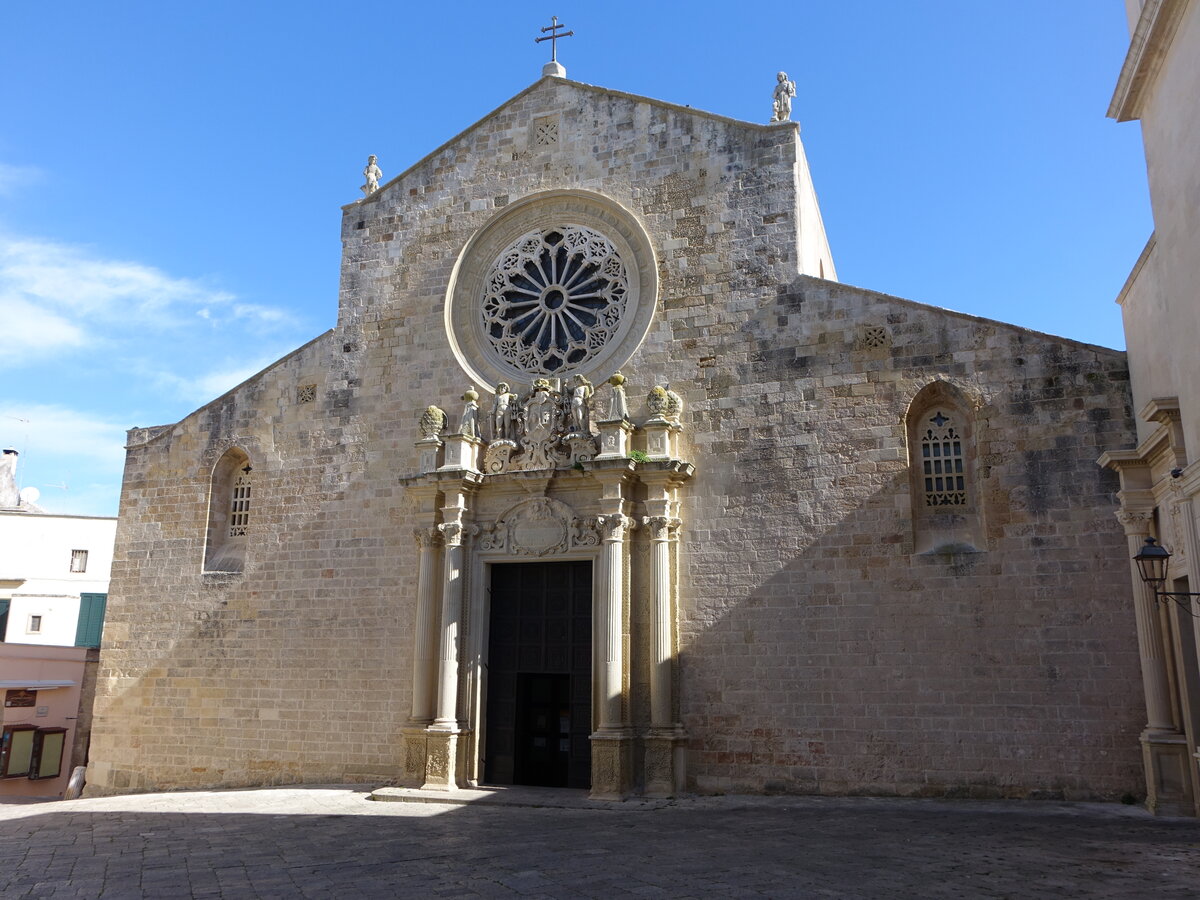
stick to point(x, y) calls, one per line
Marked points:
point(983, 320)
point(675, 107)
point(160, 430)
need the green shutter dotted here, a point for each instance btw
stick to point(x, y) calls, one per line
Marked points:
point(4, 617)
point(91, 619)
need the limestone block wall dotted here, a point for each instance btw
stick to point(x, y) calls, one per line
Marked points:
point(819, 652)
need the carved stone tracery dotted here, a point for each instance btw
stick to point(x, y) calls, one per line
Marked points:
point(553, 298)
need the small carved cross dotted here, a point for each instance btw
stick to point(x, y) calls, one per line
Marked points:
point(553, 37)
point(939, 420)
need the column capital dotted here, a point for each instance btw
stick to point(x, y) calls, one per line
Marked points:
point(1135, 521)
point(427, 537)
point(455, 533)
point(660, 526)
point(612, 527)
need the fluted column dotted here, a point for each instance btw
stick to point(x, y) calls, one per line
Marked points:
point(611, 586)
point(452, 595)
point(1151, 646)
point(660, 528)
point(425, 652)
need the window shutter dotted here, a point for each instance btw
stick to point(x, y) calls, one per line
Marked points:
point(91, 619)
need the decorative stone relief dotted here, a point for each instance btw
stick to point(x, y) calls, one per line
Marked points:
point(543, 527)
point(549, 428)
point(538, 529)
point(306, 393)
point(875, 337)
point(545, 131)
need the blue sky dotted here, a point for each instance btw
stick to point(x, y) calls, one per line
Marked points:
point(171, 174)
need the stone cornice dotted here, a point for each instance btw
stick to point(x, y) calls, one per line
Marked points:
point(1137, 268)
point(1148, 48)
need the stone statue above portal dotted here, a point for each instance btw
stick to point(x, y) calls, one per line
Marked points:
point(580, 408)
point(468, 423)
point(785, 90)
point(505, 414)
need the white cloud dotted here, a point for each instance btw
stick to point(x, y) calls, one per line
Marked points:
point(58, 293)
point(30, 331)
point(43, 430)
point(13, 177)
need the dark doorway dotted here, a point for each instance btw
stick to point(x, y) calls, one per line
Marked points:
point(539, 694)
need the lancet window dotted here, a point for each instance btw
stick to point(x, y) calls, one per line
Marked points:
point(229, 513)
point(947, 513)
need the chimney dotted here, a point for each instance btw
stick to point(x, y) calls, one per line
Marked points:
point(10, 497)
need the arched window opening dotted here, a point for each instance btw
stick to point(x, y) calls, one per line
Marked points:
point(229, 513)
point(947, 514)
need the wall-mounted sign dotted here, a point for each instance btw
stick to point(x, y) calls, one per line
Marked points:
point(20, 698)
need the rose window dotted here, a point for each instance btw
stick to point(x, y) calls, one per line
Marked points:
point(554, 298)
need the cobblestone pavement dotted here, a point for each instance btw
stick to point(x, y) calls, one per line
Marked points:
point(334, 842)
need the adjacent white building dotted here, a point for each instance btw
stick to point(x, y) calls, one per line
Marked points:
point(53, 570)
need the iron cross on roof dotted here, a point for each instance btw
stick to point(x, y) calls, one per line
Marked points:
point(553, 37)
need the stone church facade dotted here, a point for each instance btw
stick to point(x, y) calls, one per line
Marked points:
point(602, 480)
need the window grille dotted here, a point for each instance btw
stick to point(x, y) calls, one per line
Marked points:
point(239, 507)
point(943, 462)
point(35, 624)
point(79, 560)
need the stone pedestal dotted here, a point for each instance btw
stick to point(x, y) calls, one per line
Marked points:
point(1168, 775)
point(441, 758)
point(662, 439)
point(614, 438)
point(665, 762)
point(415, 753)
point(612, 765)
point(428, 454)
point(461, 453)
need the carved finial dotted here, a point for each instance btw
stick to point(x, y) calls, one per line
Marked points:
point(432, 423)
point(785, 90)
point(372, 174)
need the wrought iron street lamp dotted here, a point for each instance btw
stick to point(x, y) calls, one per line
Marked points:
point(1152, 566)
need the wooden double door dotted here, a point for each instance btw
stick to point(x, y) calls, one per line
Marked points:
point(539, 675)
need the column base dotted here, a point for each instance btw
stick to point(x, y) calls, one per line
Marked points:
point(1169, 789)
point(441, 760)
point(664, 762)
point(612, 765)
